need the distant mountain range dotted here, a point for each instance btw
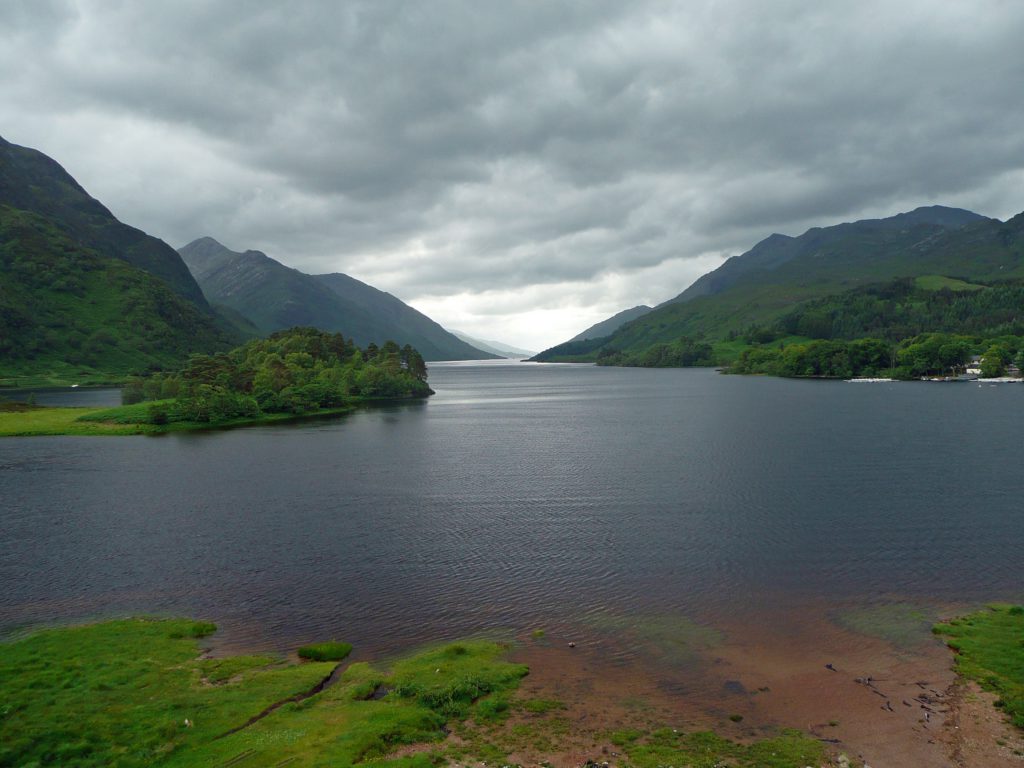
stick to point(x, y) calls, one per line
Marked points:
point(494, 347)
point(81, 293)
point(781, 272)
point(274, 297)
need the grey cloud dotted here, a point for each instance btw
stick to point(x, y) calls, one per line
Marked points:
point(520, 143)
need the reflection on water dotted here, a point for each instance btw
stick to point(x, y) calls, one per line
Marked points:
point(66, 397)
point(526, 496)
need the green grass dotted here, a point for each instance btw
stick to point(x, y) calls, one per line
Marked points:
point(127, 420)
point(703, 749)
point(329, 651)
point(990, 650)
point(119, 693)
point(63, 421)
point(938, 282)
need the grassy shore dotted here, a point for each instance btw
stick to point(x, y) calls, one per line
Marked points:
point(137, 692)
point(989, 648)
point(125, 420)
point(63, 421)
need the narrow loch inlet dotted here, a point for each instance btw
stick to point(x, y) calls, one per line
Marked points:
point(721, 551)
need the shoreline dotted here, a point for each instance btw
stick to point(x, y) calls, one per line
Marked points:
point(57, 421)
point(872, 700)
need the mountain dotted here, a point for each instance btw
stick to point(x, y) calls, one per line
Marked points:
point(780, 272)
point(34, 183)
point(275, 297)
point(83, 295)
point(822, 249)
point(494, 347)
point(612, 324)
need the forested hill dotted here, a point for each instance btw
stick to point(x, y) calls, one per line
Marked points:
point(83, 296)
point(780, 273)
point(34, 183)
point(928, 326)
point(900, 309)
point(275, 297)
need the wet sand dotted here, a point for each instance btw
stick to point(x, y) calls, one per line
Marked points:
point(877, 703)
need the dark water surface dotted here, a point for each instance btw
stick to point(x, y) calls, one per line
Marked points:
point(68, 397)
point(526, 495)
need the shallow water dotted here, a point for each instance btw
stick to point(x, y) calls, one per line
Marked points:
point(525, 496)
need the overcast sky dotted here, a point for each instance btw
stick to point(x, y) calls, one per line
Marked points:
point(518, 170)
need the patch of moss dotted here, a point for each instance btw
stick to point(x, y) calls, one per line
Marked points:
point(329, 651)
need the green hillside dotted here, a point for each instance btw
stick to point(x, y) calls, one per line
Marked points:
point(275, 297)
point(68, 313)
point(32, 182)
point(82, 296)
point(780, 273)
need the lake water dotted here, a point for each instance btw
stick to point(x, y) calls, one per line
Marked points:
point(527, 495)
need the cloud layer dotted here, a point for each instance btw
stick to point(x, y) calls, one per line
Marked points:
point(518, 170)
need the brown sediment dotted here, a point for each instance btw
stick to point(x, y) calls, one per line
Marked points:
point(878, 704)
point(977, 733)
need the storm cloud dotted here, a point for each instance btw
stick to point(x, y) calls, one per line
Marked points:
point(518, 170)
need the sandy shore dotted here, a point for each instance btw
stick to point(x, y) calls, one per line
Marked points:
point(876, 703)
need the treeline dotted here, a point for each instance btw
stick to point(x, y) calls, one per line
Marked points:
point(901, 309)
point(932, 354)
point(681, 353)
point(300, 370)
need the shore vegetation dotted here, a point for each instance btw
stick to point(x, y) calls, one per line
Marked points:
point(292, 374)
point(139, 692)
point(989, 646)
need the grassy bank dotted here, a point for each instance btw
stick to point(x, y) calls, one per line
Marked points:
point(136, 692)
point(989, 647)
point(63, 421)
point(127, 420)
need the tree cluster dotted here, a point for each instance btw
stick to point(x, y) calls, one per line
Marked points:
point(684, 352)
point(931, 354)
point(300, 370)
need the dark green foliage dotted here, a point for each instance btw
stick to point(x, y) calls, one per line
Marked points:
point(63, 306)
point(571, 351)
point(298, 371)
point(900, 309)
point(933, 354)
point(681, 353)
point(329, 651)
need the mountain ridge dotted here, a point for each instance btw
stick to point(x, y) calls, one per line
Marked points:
point(34, 182)
point(83, 295)
point(780, 272)
point(275, 296)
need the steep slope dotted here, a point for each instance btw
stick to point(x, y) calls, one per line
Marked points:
point(83, 296)
point(612, 324)
point(859, 238)
point(32, 182)
point(778, 273)
point(275, 297)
